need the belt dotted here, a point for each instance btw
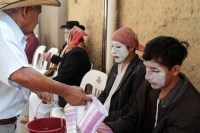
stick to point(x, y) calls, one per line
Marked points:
point(8, 121)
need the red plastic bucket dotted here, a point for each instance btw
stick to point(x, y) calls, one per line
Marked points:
point(47, 125)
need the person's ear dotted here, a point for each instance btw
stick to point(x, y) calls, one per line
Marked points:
point(25, 12)
point(176, 69)
point(131, 48)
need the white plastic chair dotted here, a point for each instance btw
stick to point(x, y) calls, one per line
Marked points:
point(40, 49)
point(91, 66)
point(42, 64)
point(95, 78)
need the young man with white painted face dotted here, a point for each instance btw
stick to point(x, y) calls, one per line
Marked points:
point(126, 75)
point(166, 102)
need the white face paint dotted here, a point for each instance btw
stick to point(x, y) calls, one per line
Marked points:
point(119, 51)
point(155, 74)
point(66, 33)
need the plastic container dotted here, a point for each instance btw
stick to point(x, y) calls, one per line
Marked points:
point(47, 125)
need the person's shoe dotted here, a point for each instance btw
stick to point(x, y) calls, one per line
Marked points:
point(25, 119)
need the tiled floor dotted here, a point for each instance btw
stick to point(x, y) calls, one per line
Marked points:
point(21, 126)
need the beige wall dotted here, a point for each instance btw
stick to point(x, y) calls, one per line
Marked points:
point(49, 27)
point(89, 13)
point(178, 18)
point(50, 21)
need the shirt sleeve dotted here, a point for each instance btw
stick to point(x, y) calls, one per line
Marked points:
point(12, 56)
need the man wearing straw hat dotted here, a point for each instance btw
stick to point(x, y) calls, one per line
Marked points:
point(17, 18)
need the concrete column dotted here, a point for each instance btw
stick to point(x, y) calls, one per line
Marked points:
point(111, 27)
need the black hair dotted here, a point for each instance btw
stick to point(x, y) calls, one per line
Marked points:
point(167, 51)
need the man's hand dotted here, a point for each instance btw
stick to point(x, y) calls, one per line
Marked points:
point(103, 125)
point(45, 97)
point(30, 78)
point(46, 56)
point(76, 96)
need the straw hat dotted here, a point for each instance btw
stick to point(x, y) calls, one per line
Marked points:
point(9, 4)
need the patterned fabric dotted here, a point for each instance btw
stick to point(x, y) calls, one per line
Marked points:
point(71, 118)
point(85, 119)
point(76, 39)
point(127, 37)
point(79, 44)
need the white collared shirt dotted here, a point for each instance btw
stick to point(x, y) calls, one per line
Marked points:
point(156, 117)
point(13, 97)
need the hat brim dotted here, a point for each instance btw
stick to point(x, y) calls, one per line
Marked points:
point(23, 3)
point(64, 26)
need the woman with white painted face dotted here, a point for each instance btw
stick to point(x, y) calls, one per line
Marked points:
point(126, 75)
point(166, 102)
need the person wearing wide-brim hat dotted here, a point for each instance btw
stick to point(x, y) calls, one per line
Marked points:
point(49, 57)
point(17, 18)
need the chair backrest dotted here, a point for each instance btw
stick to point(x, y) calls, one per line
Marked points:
point(91, 66)
point(42, 63)
point(40, 49)
point(96, 79)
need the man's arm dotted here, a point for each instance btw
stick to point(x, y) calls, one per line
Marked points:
point(103, 125)
point(55, 59)
point(126, 124)
point(37, 82)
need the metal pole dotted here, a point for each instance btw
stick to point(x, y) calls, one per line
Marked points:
point(104, 35)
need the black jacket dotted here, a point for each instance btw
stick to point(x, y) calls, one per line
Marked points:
point(178, 111)
point(56, 59)
point(74, 65)
point(123, 98)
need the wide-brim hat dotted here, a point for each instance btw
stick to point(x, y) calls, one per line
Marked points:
point(9, 4)
point(71, 24)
